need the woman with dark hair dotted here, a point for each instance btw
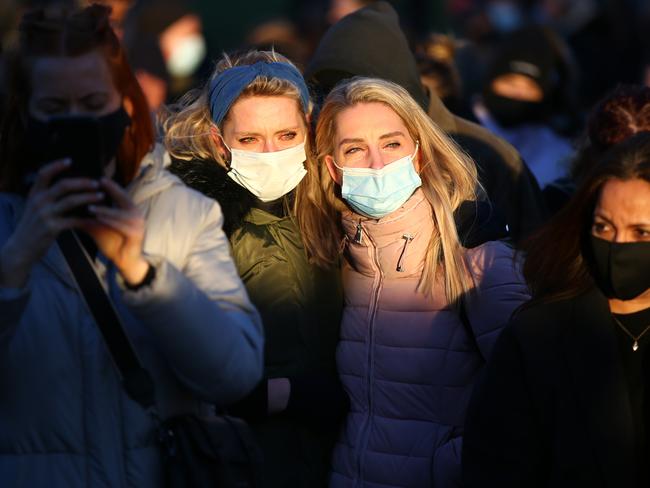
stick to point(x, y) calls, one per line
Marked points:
point(159, 250)
point(565, 402)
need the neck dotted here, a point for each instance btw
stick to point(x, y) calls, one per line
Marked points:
point(636, 304)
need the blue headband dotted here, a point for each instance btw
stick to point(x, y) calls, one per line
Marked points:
point(226, 87)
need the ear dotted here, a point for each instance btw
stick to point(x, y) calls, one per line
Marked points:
point(218, 142)
point(335, 173)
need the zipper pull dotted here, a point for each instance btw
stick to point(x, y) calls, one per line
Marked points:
point(407, 238)
point(358, 237)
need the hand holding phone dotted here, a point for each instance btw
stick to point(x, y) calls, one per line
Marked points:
point(79, 139)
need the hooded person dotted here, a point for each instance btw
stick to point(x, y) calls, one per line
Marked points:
point(523, 90)
point(369, 42)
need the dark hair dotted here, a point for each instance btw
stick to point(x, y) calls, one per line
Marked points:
point(555, 267)
point(623, 112)
point(69, 32)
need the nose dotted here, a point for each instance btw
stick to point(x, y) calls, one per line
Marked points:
point(269, 146)
point(622, 236)
point(375, 158)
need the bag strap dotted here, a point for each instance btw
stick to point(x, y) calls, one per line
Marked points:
point(136, 380)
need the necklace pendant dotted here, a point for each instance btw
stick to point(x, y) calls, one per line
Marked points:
point(635, 346)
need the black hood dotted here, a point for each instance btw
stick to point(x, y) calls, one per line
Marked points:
point(368, 42)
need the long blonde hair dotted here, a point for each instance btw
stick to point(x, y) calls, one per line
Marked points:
point(448, 176)
point(188, 124)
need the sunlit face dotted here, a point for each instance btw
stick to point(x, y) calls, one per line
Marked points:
point(369, 135)
point(80, 85)
point(622, 213)
point(517, 87)
point(263, 124)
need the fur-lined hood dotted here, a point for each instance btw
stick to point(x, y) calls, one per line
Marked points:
point(211, 179)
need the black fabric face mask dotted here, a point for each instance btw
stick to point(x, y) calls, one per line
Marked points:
point(111, 128)
point(621, 269)
point(509, 112)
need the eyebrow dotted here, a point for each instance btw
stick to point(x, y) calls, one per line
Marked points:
point(288, 129)
point(392, 134)
point(635, 224)
point(385, 136)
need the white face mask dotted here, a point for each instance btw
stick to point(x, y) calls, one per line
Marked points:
point(187, 55)
point(268, 175)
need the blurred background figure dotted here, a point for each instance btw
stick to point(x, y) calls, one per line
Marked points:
point(524, 91)
point(340, 8)
point(284, 37)
point(436, 63)
point(622, 113)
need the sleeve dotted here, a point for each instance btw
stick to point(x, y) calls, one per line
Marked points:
point(500, 290)
point(501, 446)
point(202, 318)
point(13, 301)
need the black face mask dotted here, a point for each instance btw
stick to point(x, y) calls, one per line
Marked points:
point(621, 270)
point(509, 112)
point(111, 128)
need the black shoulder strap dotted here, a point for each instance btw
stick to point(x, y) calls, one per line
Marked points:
point(135, 379)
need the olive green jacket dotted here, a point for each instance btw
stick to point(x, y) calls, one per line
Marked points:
point(300, 305)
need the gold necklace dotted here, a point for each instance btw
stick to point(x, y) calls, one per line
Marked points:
point(635, 345)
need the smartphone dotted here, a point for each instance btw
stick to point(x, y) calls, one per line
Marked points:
point(81, 140)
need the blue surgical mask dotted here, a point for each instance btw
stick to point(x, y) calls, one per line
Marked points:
point(378, 192)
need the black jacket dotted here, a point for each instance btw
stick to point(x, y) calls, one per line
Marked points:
point(553, 409)
point(369, 42)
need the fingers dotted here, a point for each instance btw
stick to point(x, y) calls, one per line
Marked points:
point(75, 200)
point(126, 222)
point(125, 228)
point(71, 185)
point(47, 172)
point(119, 196)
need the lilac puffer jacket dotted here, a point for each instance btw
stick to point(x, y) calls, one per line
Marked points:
point(406, 359)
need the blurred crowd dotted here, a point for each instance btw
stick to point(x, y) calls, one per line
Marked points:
point(374, 230)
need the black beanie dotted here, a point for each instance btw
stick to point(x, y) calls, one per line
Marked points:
point(527, 52)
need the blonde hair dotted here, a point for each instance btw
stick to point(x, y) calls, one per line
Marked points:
point(187, 125)
point(448, 176)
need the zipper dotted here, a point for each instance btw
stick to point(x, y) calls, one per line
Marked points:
point(364, 431)
point(358, 236)
point(407, 239)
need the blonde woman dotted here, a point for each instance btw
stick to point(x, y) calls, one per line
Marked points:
point(243, 140)
point(421, 312)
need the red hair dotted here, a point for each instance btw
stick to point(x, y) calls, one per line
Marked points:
point(623, 112)
point(63, 32)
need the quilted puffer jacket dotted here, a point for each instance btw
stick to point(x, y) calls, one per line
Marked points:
point(65, 418)
point(407, 360)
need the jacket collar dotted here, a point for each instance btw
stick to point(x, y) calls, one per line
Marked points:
point(592, 354)
point(398, 239)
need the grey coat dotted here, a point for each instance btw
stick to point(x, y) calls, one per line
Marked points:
point(65, 420)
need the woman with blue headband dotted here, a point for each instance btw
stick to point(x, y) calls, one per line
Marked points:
point(244, 140)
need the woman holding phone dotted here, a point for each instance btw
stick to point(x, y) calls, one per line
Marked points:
point(66, 419)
